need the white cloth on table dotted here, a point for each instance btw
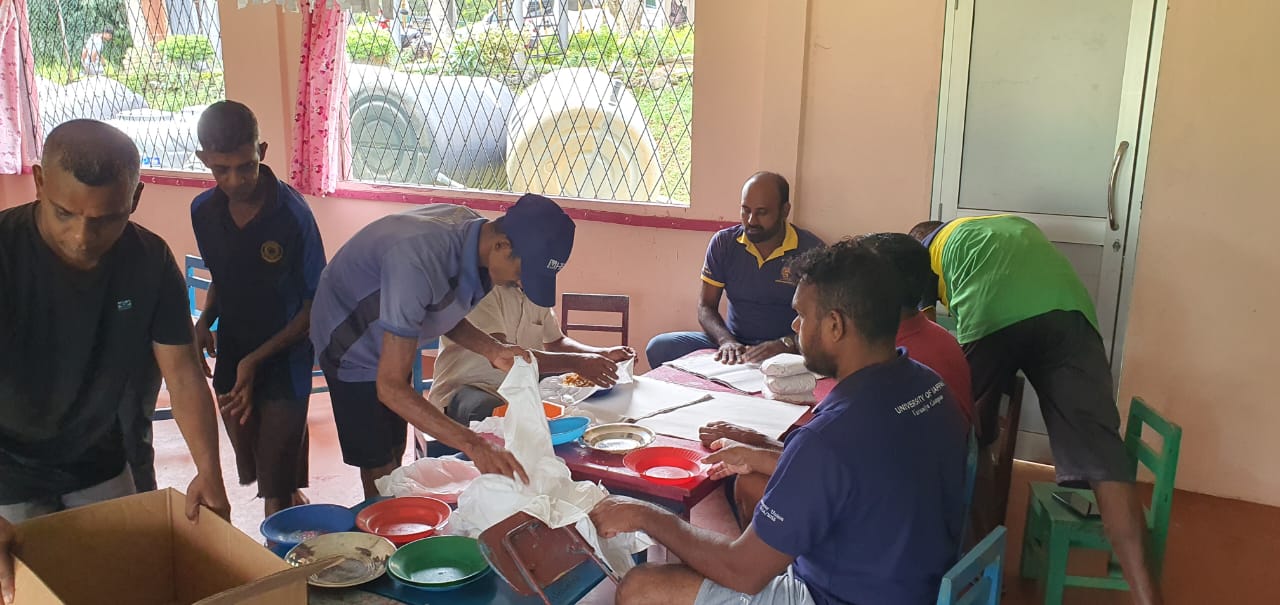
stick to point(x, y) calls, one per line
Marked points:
point(791, 385)
point(799, 398)
point(785, 364)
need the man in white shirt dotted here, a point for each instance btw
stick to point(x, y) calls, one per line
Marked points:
point(466, 384)
point(91, 55)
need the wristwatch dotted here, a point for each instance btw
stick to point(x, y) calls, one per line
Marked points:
point(789, 342)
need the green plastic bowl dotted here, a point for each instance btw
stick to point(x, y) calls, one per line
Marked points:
point(438, 562)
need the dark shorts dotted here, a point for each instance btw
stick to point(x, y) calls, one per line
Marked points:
point(271, 448)
point(1064, 359)
point(370, 434)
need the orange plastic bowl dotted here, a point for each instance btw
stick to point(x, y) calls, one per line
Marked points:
point(666, 465)
point(404, 520)
point(552, 410)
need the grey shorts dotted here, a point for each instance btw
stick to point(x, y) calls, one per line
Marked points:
point(785, 589)
point(1064, 360)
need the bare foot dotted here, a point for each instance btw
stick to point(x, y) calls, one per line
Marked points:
point(299, 498)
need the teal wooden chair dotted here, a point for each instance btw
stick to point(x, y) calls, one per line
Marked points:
point(1053, 529)
point(975, 578)
point(970, 480)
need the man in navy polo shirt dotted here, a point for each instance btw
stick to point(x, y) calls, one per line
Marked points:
point(747, 262)
point(260, 241)
point(865, 502)
point(407, 279)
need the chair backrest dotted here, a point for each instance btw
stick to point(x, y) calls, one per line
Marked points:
point(1010, 418)
point(970, 479)
point(975, 578)
point(420, 384)
point(195, 282)
point(1163, 464)
point(600, 303)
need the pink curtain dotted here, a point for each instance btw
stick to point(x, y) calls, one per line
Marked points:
point(19, 115)
point(320, 124)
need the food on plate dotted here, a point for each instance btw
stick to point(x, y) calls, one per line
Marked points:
point(576, 380)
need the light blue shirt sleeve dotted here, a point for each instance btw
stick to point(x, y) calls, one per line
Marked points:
point(410, 283)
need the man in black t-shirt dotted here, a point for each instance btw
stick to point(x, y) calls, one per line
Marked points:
point(85, 296)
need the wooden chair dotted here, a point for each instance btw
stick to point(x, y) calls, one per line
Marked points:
point(603, 303)
point(1006, 442)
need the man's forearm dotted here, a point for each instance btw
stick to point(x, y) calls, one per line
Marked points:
point(193, 410)
point(714, 325)
point(555, 363)
point(210, 312)
point(709, 553)
point(473, 339)
point(569, 345)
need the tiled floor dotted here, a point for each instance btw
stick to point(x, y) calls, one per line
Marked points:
point(1220, 550)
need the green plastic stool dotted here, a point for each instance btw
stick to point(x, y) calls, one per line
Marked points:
point(1052, 529)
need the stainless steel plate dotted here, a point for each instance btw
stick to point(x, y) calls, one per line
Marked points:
point(617, 438)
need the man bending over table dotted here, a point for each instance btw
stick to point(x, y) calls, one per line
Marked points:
point(865, 502)
point(749, 263)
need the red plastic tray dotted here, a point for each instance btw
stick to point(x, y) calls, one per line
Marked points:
point(666, 465)
point(404, 520)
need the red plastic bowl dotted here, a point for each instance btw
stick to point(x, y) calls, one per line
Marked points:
point(666, 465)
point(403, 520)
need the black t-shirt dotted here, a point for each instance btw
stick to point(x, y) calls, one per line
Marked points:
point(72, 345)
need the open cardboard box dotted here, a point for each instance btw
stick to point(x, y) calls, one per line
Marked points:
point(142, 550)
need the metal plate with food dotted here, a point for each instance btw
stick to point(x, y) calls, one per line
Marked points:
point(617, 438)
point(566, 389)
point(364, 558)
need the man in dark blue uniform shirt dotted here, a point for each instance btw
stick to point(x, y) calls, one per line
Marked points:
point(864, 504)
point(749, 264)
point(260, 241)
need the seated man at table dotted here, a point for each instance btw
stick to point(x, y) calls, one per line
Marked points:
point(466, 384)
point(747, 262)
point(865, 502)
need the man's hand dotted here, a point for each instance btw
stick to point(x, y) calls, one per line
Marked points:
point(731, 458)
point(6, 560)
point(490, 458)
point(503, 356)
point(763, 351)
point(620, 515)
point(597, 368)
point(209, 492)
point(714, 431)
point(206, 344)
point(237, 404)
point(730, 353)
point(619, 354)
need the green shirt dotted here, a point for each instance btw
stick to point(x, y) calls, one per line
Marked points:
point(999, 270)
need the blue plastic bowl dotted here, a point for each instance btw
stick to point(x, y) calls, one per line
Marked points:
point(567, 428)
point(294, 525)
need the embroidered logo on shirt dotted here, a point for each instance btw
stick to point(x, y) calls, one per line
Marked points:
point(555, 265)
point(785, 276)
point(271, 251)
point(124, 305)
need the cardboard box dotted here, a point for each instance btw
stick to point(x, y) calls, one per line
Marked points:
point(142, 550)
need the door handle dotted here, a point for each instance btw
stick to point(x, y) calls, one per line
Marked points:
point(1111, 186)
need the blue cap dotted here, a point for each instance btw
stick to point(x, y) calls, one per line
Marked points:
point(541, 235)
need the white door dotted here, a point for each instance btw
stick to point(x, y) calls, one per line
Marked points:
point(1043, 110)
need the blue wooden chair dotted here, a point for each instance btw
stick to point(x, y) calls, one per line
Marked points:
point(196, 282)
point(975, 578)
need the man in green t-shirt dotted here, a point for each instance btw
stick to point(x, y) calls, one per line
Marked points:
point(1019, 305)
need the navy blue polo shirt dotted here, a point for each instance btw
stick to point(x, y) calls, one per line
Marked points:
point(262, 273)
point(759, 289)
point(869, 495)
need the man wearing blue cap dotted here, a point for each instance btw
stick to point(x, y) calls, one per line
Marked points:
point(407, 279)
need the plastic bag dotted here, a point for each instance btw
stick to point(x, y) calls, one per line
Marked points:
point(442, 478)
point(551, 494)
